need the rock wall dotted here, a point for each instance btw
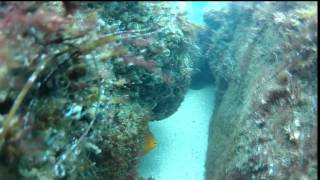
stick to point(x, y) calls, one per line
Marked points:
point(79, 82)
point(263, 56)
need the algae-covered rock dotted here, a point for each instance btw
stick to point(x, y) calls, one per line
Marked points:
point(264, 59)
point(79, 83)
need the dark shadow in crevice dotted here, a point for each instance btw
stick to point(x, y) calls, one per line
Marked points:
point(201, 77)
point(5, 106)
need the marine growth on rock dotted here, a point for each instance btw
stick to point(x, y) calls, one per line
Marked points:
point(79, 82)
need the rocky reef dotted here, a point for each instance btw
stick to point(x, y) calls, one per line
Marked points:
point(80, 81)
point(263, 56)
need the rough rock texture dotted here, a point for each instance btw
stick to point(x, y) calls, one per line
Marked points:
point(264, 59)
point(80, 81)
point(201, 74)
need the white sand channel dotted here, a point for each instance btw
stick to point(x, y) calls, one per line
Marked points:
point(181, 140)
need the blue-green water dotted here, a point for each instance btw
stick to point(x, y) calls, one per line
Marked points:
point(196, 9)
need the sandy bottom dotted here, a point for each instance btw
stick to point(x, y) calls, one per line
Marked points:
point(181, 140)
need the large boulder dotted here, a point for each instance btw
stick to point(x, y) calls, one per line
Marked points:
point(79, 83)
point(264, 60)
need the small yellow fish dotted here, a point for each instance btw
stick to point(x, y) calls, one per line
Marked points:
point(150, 143)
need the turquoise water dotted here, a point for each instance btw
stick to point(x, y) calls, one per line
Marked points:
point(195, 9)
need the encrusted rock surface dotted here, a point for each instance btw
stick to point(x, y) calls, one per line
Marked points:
point(80, 81)
point(264, 58)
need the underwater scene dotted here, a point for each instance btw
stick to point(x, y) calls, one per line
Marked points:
point(142, 90)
